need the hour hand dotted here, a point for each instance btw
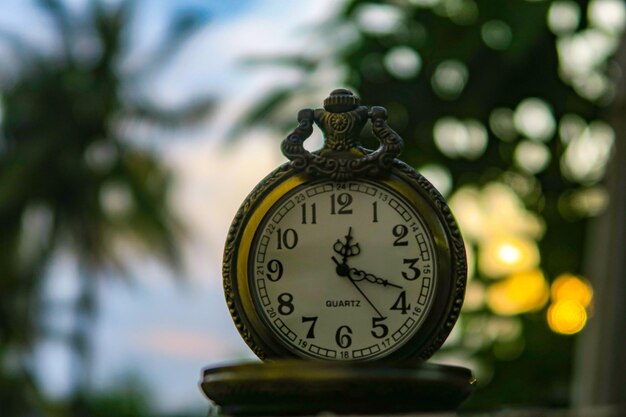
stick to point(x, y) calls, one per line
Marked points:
point(347, 249)
point(342, 269)
point(360, 275)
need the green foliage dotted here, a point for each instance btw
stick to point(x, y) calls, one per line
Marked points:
point(71, 178)
point(129, 399)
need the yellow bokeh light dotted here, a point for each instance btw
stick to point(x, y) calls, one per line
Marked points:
point(519, 293)
point(509, 254)
point(571, 287)
point(505, 255)
point(567, 317)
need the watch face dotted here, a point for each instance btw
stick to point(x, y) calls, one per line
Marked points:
point(343, 270)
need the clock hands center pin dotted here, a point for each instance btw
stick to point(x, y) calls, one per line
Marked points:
point(348, 250)
point(343, 270)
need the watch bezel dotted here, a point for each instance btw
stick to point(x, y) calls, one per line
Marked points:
point(428, 203)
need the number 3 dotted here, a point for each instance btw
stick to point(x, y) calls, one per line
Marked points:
point(416, 272)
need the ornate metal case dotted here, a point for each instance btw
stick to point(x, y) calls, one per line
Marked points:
point(342, 159)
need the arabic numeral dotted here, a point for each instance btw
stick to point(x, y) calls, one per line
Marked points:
point(380, 329)
point(287, 239)
point(375, 212)
point(275, 268)
point(415, 272)
point(311, 333)
point(285, 304)
point(400, 304)
point(305, 217)
point(339, 203)
point(343, 337)
point(400, 231)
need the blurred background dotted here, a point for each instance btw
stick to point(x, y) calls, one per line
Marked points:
point(130, 132)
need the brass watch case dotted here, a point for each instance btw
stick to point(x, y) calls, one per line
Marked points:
point(342, 158)
point(449, 250)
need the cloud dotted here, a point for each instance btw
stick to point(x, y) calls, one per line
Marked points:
point(181, 344)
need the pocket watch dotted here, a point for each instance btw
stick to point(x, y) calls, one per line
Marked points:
point(344, 254)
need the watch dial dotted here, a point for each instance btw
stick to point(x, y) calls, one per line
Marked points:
point(343, 270)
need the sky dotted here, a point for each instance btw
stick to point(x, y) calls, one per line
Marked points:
point(155, 327)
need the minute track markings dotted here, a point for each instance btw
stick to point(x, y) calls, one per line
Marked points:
point(390, 211)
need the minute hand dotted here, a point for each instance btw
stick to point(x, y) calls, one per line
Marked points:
point(359, 275)
point(365, 296)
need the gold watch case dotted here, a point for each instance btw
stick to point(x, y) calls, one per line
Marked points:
point(342, 159)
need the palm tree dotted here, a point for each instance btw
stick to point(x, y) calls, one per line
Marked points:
point(70, 177)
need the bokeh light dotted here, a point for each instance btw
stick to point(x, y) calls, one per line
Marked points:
point(609, 15)
point(532, 156)
point(571, 296)
point(461, 12)
point(533, 118)
point(583, 54)
point(439, 176)
point(502, 125)
point(101, 156)
point(586, 202)
point(570, 287)
point(466, 204)
point(457, 138)
point(449, 79)
point(563, 17)
point(571, 126)
point(494, 210)
point(378, 19)
point(507, 254)
point(567, 317)
point(519, 293)
point(403, 62)
point(586, 156)
point(116, 199)
point(496, 34)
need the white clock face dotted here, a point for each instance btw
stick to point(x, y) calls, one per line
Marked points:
point(343, 270)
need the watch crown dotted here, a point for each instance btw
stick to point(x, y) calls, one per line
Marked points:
point(341, 100)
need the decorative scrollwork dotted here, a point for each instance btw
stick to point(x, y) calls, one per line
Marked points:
point(231, 291)
point(342, 157)
point(458, 252)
